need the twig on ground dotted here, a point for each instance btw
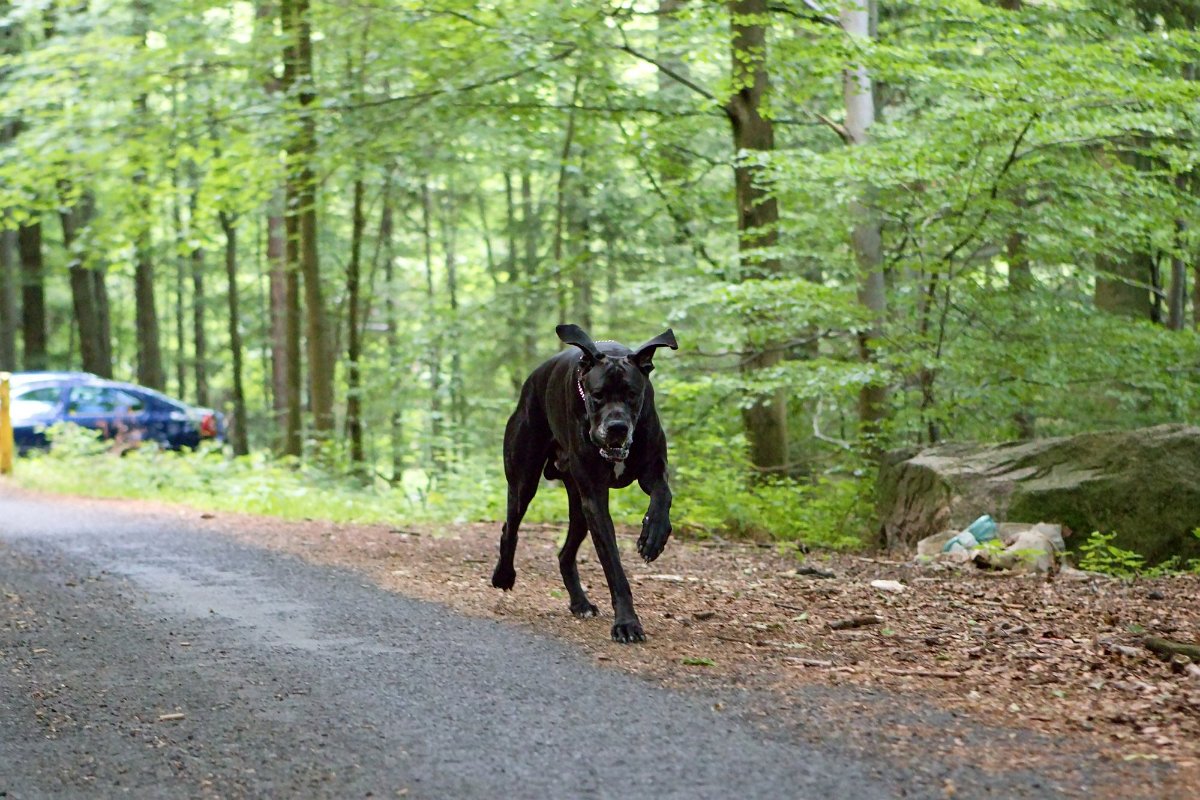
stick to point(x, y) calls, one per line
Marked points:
point(924, 673)
point(855, 622)
point(809, 662)
point(1165, 648)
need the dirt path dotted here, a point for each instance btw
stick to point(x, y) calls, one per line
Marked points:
point(961, 677)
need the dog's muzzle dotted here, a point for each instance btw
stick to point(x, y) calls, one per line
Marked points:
point(616, 454)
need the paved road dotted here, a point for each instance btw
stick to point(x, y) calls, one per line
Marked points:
point(296, 680)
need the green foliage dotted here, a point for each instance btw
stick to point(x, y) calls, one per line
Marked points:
point(1099, 554)
point(549, 171)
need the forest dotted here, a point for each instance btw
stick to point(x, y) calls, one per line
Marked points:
point(352, 225)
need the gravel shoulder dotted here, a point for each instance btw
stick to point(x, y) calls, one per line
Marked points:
point(967, 686)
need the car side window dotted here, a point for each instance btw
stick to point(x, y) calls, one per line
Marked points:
point(43, 394)
point(102, 401)
point(37, 399)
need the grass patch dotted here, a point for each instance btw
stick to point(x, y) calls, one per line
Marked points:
point(707, 501)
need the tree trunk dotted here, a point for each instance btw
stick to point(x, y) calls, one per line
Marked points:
point(33, 297)
point(560, 203)
point(278, 306)
point(149, 354)
point(100, 293)
point(1020, 285)
point(199, 304)
point(434, 355)
point(8, 300)
point(354, 422)
point(302, 204)
point(293, 438)
point(396, 418)
point(530, 290)
point(866, 236)
point(516, 294)
point(181, 269)
point(92, 346)
point(1196, 295)
point(1177, 296)
point(757, 215)
point(1122, 289)
point(458, 405)
point(582, 282)
point(238, 437)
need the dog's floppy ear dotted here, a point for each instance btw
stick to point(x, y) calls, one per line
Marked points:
point(644, 355)
point(573, 334)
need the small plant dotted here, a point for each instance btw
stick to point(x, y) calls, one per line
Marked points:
point(1101, 555)
point(699, 662)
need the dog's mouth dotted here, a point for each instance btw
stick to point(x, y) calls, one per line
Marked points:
point(615, 454)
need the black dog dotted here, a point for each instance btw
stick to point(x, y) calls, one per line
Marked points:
point(587, 417)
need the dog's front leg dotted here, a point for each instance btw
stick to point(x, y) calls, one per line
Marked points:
point(656, 525)
point(626, 626)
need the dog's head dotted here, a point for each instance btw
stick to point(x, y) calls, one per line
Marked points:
point(612, 385)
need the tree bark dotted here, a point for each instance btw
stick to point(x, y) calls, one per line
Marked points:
point(354, 422)
point(149, 354)
point(277, 311)
point(93, 348)
point(1122, 289)
point(434, 356)
point(33, 297)
point(516, 295)
point(302, 175)
point(582, 280)
point(866, 236)
point(1020, 285)
point(396, 418)
point(560, 203)
point(8, 300)
point(199, 305)
point(181, 269)
point(757, 215)
point(294, 429)
point(1177, 295)
point(238, 436)
point(458, 405)
point(530, 290)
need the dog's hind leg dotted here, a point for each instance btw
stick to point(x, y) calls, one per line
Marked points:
point(525, 451)
point(567, 564)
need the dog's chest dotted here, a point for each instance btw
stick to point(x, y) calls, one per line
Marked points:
point(618, 469)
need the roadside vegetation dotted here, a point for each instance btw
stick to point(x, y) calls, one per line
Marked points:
point(79, 462)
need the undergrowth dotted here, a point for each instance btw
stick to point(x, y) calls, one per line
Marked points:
point(712, 496)
point(1099, 554)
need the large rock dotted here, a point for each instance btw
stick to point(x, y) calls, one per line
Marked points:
point(1142, 484)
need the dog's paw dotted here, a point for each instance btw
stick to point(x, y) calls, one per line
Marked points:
point(504, 576)
point(628, 632)
point(584, 610)
point(653, 539)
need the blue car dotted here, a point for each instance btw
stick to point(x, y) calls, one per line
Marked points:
point(125, 412)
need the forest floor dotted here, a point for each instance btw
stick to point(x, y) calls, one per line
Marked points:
point(1061, 657)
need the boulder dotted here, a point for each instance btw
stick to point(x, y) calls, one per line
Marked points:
point(1144, 485)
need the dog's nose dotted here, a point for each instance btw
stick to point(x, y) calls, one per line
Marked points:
point(616, 431)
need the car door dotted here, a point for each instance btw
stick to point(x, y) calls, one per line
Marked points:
point(115, 413)
point(34, 408)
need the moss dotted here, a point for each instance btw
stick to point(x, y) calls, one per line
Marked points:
point(1143, 485)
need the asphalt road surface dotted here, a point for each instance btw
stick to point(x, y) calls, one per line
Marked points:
point(140, 658)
